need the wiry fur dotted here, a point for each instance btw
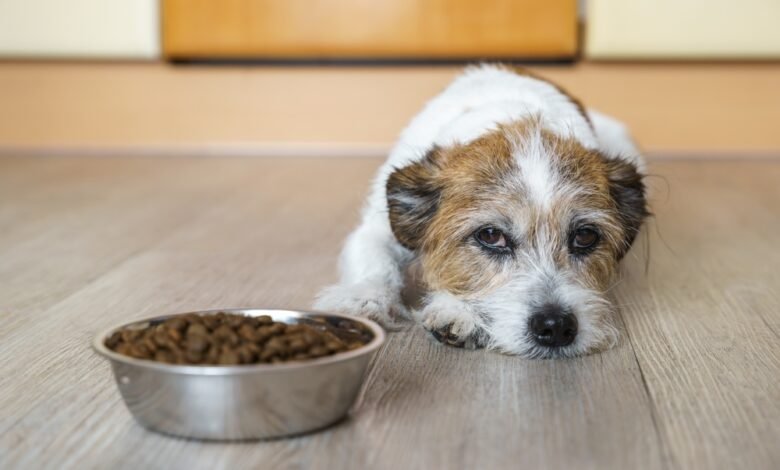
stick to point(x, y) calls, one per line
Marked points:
point(509, 151)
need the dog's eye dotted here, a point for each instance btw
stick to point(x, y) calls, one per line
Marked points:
point(491, 238)
point(584, 238)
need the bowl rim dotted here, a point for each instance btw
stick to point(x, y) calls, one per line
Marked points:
point(98, 345)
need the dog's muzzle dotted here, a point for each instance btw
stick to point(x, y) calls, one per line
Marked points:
point(553, 326)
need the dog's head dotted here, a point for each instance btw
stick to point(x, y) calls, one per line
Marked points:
point(527, 228)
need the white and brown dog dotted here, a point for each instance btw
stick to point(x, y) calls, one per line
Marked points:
point(517, 204)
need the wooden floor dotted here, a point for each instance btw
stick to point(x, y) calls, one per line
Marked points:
point(88, 242)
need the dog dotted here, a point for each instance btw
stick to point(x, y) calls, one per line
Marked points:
point(518, 205)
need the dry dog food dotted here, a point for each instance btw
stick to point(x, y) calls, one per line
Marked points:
point(229, 339)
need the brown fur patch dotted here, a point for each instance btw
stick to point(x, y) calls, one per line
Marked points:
point(471, 179)
point(437, 204)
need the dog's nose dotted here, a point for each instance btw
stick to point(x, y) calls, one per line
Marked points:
point(552, 326)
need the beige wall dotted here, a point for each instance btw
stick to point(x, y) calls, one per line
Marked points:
point(152, 108)
point(682, 29)
point(79, 28)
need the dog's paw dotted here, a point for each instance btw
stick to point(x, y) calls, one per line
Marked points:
point(377, 303)
point(452, 324)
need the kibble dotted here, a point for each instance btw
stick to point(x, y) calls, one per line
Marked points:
point(230, 339)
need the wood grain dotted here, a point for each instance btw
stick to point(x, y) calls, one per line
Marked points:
point(374, 29)
point(704, 323)
point(692, 383)
point(153, 109)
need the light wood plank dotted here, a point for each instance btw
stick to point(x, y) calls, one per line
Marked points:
point(67, 221)
point(705, 322)
point(692, 383)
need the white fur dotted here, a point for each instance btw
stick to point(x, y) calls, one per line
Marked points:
point(539, 180)
point(443, 310)
point(614, 138)
point(538, 285)
point(372, 261)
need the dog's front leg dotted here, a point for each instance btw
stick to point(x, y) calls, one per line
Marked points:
point(452, 321)
point(371, 266)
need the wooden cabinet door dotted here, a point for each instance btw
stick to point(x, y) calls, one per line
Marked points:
point(369, 29)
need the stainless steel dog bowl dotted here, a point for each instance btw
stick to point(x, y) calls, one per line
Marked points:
point(241, 402)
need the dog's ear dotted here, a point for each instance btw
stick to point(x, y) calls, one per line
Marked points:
point(628, 191)
point(413, 198)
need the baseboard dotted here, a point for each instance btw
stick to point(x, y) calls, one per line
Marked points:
point(307, 150)
point(216, 149)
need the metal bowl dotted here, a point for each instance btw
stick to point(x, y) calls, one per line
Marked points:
point(246, 401)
